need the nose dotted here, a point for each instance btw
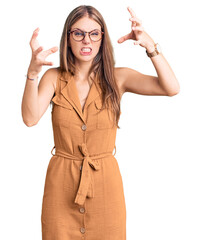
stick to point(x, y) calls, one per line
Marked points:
point(86, 38)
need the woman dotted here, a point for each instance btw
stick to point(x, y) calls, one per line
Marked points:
point(83, 194)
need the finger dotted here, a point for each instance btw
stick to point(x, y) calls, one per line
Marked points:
point(136, 20)
point(34, 35)
point(132, 13)
point(137, 42)
point(141, 29)
point(50, 51)
point(134, 23)
point(124, 38)
point(38, 50)
point(48, 63)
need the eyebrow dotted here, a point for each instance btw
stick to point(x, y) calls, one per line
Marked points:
point(85, 31)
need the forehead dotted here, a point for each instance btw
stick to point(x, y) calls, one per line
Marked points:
point(86, 24)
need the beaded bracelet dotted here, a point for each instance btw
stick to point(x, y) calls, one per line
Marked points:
point(31, 78)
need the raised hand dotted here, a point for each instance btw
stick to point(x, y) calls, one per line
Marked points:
point(39, 56)
point(137, 32)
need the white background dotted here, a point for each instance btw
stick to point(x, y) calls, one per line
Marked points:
point(158, 145)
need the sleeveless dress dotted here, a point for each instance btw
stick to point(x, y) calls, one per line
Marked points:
point(83, 193)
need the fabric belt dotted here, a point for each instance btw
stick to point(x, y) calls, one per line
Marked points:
point(86, 184)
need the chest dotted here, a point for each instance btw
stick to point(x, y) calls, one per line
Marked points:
point(83, 92)
point(64, 115)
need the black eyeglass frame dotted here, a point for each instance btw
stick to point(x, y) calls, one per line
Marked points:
point(86, 33)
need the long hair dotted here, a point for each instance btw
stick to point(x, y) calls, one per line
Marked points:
point(103, 64)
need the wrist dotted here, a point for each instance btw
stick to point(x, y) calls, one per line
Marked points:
point(32, 74)
point(150, 48)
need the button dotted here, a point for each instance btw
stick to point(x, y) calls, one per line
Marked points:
point(82, 230)
point(80, 167)
point(84, 127)
point(82, 210)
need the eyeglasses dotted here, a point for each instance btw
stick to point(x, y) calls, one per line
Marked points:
point(78, 35)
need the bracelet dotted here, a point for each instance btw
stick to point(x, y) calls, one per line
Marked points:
point(31, 78)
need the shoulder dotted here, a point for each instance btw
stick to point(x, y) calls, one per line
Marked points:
point(52, 75)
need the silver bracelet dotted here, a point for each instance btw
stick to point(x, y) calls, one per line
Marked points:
point(31, 78)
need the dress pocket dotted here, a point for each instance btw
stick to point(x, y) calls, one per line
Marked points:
point(61, 112)
point(104, 115)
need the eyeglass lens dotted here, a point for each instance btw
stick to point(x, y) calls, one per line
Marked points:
point(94, 35)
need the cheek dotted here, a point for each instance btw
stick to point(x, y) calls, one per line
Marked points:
point(96, 49)
point(74, 47)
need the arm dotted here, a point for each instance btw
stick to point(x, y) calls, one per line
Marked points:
point(133, 81)
point(164, 84)
point(166, 78)
point(36, 98)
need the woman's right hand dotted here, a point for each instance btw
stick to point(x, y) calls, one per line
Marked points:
point(38, 56)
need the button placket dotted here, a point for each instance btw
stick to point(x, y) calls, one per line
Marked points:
point(82, 209)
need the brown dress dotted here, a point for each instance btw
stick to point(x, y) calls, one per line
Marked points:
point(83, 193)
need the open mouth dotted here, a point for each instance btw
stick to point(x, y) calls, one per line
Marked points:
point(86, 50)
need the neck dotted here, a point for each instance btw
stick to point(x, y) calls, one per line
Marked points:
point(82, 70)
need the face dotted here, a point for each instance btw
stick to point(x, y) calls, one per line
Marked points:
point(85, 24)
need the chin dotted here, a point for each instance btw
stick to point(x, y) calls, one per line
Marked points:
point(85, 58)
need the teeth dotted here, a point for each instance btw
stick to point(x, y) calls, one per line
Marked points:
point(86, 50)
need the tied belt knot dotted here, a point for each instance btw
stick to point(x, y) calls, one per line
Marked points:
point(86, 187)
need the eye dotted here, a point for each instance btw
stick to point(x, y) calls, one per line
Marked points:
point(78, 33)
point(95, 33)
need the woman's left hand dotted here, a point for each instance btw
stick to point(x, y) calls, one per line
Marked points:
point(138, 34)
